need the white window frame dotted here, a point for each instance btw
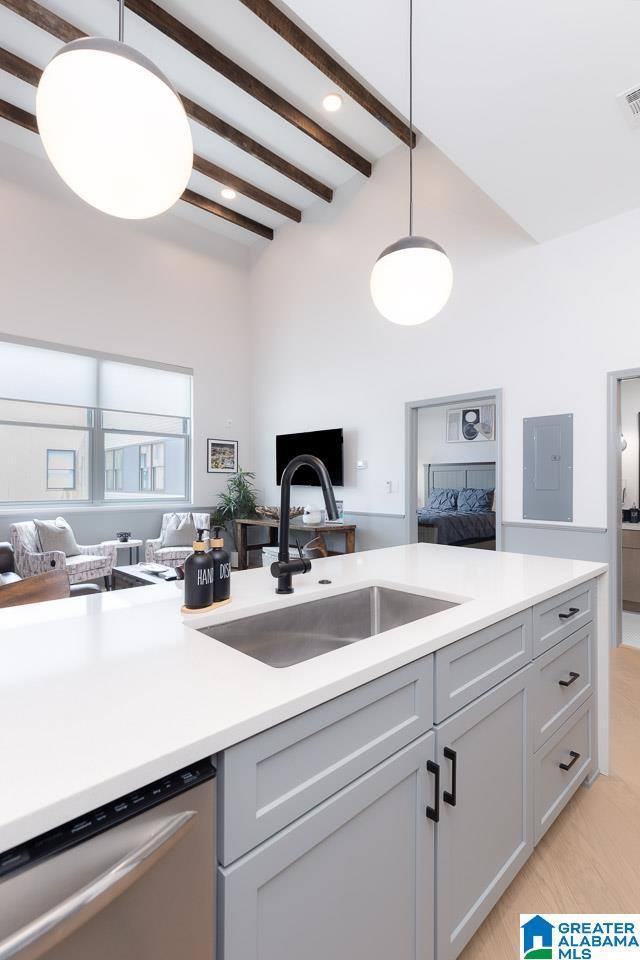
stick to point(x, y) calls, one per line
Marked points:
point(96, 459)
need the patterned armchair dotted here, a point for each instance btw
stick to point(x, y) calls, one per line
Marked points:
point(154, 552)
point(97, 560)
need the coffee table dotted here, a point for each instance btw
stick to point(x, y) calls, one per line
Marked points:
point(134, 576)
point(125, 545)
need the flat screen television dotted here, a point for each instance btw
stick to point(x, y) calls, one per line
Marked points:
point(324, 444)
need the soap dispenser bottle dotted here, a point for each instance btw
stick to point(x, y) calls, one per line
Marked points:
point(221, 568)
point(198, 575)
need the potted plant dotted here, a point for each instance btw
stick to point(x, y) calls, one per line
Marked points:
point(237, 502)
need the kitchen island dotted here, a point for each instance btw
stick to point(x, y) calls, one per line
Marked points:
point(101, 695)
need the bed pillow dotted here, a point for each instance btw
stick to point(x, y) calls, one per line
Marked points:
point(472, 500)
point(442, 498)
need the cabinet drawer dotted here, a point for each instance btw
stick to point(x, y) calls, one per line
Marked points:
point(573, 747)
point(564, 680)
point(469, 667)
point(556, 618)
point(270, 780)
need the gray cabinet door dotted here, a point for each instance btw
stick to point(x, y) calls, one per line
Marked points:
point(482, 841)
point(352, 879)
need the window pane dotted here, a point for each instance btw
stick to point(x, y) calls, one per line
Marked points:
point(43, 413)
point(144, 422)
point(145, 467)
point(26, 471)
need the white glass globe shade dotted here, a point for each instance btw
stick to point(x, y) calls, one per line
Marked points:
point(411, 281)
point(114, 128)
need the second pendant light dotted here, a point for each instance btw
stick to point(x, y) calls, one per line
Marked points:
point(412, 278)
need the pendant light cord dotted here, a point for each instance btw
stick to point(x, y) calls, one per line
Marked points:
point(410, 118)
point(121, 22)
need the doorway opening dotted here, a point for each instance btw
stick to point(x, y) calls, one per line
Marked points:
point(624, 506)
point(453, 470)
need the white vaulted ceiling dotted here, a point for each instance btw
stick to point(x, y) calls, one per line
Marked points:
point(238, 33)
point(520, 95)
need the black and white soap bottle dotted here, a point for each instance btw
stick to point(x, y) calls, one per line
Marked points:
point(221, 568)
point(198, 575)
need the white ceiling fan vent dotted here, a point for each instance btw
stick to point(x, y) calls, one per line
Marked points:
point(630, 103)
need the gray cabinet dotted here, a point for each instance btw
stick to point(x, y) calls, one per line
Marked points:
point(562, 764)
point(482, 841)
point(353, 878)
point(271, 779)
point(468, 668)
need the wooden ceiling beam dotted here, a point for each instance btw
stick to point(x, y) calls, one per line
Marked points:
point(17, 115)
point(38, 15)
point(210, 206)
point(17, 67)
point(246, 143)
point(247, 189)
point(294, 35)
point(23, 118)
point(41, 17)
point(198, 47)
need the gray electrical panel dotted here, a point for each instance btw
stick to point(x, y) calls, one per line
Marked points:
point(548, 468)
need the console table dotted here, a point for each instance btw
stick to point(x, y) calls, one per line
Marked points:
point(348, 530)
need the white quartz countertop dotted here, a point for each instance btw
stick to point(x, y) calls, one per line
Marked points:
point(100, 695)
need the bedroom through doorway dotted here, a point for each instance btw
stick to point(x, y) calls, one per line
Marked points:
point(453, 471)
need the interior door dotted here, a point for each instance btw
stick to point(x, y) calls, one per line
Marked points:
point(485, 833)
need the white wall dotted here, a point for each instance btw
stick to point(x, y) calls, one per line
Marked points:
point(163, 290)
point(544, 322)
point(433, 446)
point(629, 411)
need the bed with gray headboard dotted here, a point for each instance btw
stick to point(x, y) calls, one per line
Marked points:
point(458, 504)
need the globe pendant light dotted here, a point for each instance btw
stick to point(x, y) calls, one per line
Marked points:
point(411, 280)
point(114, 128)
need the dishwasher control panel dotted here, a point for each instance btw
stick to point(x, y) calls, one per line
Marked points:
point(103, 818)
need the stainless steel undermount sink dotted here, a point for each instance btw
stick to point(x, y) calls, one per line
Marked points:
point(293, 634)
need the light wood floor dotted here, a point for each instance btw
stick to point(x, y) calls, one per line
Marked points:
point(589, 860)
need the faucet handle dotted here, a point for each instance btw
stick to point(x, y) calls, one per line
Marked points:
point(299, 548)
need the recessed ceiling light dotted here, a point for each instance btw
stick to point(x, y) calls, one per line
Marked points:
point(332, 102)
point(228, 193)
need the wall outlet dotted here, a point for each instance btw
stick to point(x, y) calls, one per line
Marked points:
point(389, 486)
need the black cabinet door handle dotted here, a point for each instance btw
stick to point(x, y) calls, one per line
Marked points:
point(567, 683)
point(574, 759)
point(450, 796)
point(433, 813)
point(572, 613)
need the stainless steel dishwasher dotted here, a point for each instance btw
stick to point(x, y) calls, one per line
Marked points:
point(134, 878)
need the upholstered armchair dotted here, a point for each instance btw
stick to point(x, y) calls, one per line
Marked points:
point(154, 552)
point(94, 561)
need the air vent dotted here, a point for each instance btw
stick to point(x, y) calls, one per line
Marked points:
point(630, 103)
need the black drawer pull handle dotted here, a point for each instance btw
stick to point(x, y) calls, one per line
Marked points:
point(574, 759)
point(572, 613)
point(451, 796)
point(433, 813)
point(567, 683)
